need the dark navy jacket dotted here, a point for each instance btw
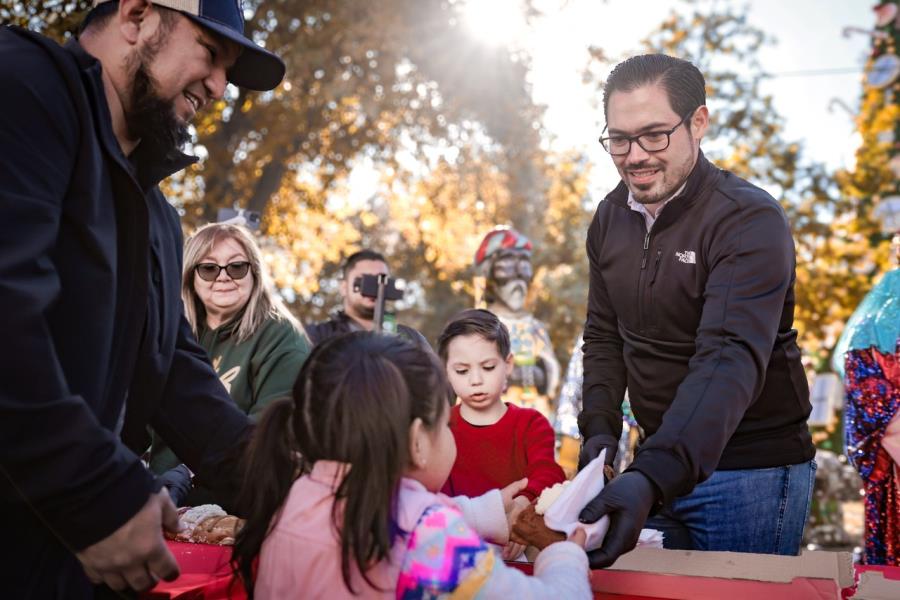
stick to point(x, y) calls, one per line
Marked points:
point(90, 266)
point(695, 318)
point(342, 323)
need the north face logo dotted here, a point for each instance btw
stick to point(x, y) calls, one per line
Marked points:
point(687, 256)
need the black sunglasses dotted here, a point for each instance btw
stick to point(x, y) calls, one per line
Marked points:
point(210, 271)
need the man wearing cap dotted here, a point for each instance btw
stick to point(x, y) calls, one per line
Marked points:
point(96, 346)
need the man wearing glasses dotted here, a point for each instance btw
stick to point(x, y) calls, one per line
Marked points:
point(691, 307)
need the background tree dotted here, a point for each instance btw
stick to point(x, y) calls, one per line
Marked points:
point(447, 127)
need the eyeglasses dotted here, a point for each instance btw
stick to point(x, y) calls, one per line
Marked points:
point(652, 141)
point(210, 271)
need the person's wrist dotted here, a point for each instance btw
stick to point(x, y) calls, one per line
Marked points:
point(649, 491)
point(592, 446)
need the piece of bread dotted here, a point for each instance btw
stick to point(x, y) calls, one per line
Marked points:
point(207, 524)
point(530, 529)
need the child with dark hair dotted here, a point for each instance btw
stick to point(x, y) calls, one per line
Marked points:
point(498, 443)
point(359, 514)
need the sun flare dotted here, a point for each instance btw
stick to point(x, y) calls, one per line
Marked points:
point(496, 22)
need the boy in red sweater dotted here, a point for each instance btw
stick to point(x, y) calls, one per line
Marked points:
point(497, 443)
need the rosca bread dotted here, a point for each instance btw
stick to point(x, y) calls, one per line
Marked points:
point(207, 524)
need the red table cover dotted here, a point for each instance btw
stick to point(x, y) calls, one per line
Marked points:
point(206, 575)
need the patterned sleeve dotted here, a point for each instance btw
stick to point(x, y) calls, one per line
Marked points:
point(444, 557)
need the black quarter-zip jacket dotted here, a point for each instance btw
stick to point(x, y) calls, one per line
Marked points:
point(695, 317)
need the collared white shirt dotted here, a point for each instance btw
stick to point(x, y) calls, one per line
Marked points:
point(649, 219)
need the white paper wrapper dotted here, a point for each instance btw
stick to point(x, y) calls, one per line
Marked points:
point(563, 514)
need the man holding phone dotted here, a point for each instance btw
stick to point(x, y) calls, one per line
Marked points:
point(358, 311)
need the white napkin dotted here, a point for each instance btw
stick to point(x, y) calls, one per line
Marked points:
point(563, 514)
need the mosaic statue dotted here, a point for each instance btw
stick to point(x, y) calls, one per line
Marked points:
point(504, 260)
point(868, 354)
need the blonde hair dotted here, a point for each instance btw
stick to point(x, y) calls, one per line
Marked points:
point(263, 304)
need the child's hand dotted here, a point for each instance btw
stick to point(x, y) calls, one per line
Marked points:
point(578, 537)
point(510, 492)
point(518, 504)
point(512, 551)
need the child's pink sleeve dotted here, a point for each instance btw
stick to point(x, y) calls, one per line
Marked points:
point(540, 445)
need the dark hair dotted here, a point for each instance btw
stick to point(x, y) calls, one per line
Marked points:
point(99, 16)
point(361, 255)
point(683, 82)
point(479, 322)
point(353, 402)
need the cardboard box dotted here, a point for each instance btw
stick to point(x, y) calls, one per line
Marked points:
point(649, 573)
point(677, 574)
point(877, 583)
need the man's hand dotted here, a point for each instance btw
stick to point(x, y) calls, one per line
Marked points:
point(594, 445)
point(135, 555)
point(178, 480)
point(627, 500)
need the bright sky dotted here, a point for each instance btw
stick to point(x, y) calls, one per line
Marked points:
point(809, 39)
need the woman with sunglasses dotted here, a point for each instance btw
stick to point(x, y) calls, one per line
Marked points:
point(255, 345)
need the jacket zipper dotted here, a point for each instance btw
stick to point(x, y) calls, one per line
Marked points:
point(656, 265)
point(644, 255)
point(650, 304)
point(640, 287)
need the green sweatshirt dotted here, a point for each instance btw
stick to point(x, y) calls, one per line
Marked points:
point(255, 372)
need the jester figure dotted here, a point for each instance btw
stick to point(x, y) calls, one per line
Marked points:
point(868, 354)
point(504, 260)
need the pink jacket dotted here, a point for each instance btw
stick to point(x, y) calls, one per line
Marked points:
point(300, 558)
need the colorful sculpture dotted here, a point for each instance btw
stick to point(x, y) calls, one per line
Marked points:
point(869, 352)
point(504, 260)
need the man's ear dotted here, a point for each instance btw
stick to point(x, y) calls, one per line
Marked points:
point(130, 18)
point(419, 444)
point(700, 122)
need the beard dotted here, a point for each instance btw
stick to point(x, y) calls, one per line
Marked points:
point(674, 174)
point(151, 118)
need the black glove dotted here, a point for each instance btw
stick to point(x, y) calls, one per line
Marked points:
point(595, 444)
point(627, 500)
point(178, 481)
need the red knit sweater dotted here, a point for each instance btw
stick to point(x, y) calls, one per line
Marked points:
point(520, 444)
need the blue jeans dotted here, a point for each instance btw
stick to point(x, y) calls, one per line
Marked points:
point(749, 510)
